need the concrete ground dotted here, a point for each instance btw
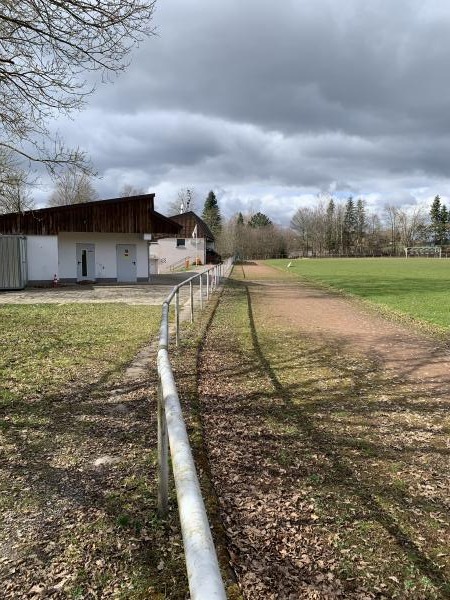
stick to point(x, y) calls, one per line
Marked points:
point(143, 293)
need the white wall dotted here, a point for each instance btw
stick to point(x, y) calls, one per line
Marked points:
point(42, 257)
point(105, 253)
point(169, 254)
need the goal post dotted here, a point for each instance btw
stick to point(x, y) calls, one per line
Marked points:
point(423, 251)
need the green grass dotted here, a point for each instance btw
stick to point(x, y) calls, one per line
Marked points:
point(418, 287)
point(46, 347)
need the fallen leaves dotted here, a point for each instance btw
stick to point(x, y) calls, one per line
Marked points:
point(322, 491)
point(79, 504)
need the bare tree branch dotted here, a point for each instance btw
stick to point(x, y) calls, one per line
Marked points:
point(72, 187)
point(15, 184)
point(45, 47)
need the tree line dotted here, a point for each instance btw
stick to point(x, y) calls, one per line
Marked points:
point(328, 228)
point(348, 229)
point(338, 228)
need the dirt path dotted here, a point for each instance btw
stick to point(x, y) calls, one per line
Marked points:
point(317, 313)
point(329, 448)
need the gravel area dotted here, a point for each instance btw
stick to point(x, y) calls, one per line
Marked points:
point(148, 293)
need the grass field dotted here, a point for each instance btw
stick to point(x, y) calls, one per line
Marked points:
point(46, 347)
point(418, 287)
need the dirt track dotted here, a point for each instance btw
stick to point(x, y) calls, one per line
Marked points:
point(318, 313)
point(330, 458)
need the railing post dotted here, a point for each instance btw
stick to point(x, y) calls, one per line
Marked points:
point(191, 294)
point(163, 457)
point(201, 290)
point(177, 317)
point(207, 285)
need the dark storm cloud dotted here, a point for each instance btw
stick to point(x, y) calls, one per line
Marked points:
point(290, 99)
point(306, 66)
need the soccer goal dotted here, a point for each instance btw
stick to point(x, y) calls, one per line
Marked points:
point(423, 251)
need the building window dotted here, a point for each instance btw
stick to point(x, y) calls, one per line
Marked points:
point(181, 243)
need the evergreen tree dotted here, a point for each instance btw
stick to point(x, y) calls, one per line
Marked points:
point(435, 214)
point(439, 221)
point(361, 224)
point(240, 219)
point(211, 213)
point(350, 225)
point(330, 234)
point(445, 221)
point(259, 219)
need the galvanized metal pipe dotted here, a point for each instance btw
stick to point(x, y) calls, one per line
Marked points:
point(177, 317)
point(205, 582)
point(164, 329)
point(163, 457)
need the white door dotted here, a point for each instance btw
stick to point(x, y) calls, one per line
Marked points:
point(85, 262)
point(126, 263)
point(153, 266)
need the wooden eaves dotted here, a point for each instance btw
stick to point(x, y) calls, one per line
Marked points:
point(133, 214)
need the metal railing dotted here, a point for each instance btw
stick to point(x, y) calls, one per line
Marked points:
point(180, 264)
point(205, 581)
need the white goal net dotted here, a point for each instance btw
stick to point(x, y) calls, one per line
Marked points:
point(424, 251)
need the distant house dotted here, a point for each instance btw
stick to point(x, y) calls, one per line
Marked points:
point(190, 244)
point(103, 241)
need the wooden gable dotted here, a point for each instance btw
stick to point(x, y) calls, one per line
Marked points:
point(134, 214)
point(188, 221)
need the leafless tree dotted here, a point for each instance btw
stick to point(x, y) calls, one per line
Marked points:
point(15, 185)
point(376, 237)
point(391, 213)
point(249, 242)
point(45, 47)
point(129, 190)
point(186, 201)
point(73, 186)
point(310, 224)
point(411, 225)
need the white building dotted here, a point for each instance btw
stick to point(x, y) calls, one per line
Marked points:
point(102, 241)
point(194, 244)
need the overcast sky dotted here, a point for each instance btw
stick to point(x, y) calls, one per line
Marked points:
point(269, 104)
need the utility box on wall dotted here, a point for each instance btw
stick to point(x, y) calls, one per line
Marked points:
point(13, 262)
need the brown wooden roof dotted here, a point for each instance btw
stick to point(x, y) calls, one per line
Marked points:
point(134, 214)
point(189, 220)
